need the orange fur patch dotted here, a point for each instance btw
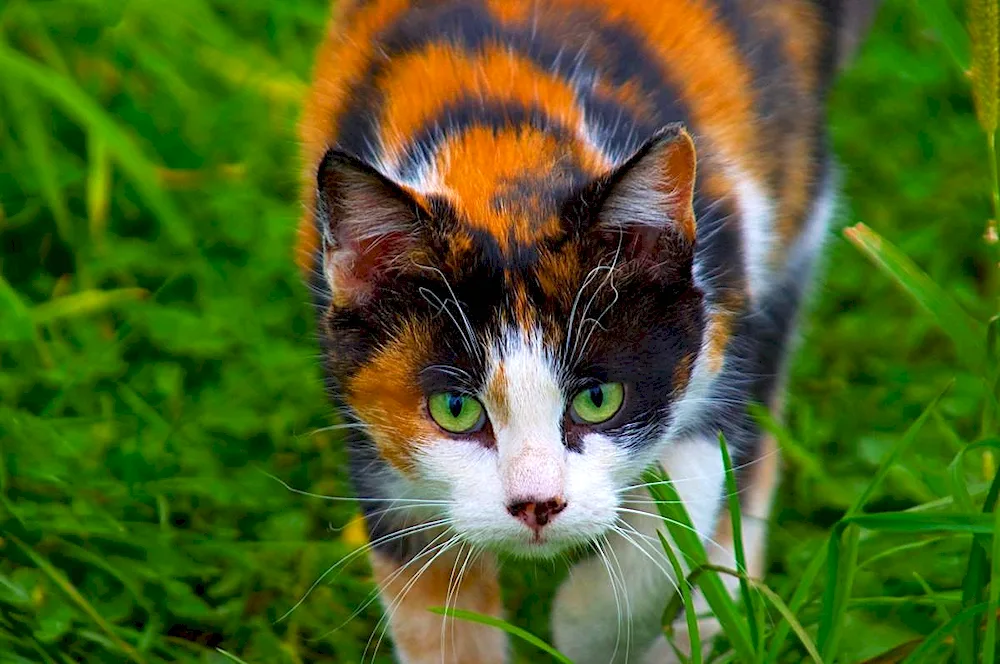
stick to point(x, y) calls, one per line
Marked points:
point(512, 11)
point(447, 75)
point(340, 62)
point(476, 168)
point(496, 397)
point(718, 333)
point(386, 395)
point(556, 271)
point(703, 60)
point(417, 633)
point(682, 373)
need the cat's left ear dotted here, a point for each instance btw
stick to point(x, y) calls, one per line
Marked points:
point(648, 201)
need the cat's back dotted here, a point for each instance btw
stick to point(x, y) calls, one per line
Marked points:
point(503, 106)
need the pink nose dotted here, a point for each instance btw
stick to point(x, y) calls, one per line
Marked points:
point(536, 514)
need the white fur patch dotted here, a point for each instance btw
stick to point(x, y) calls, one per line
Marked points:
point(757, 223)
point(583, 618)
point(816, 230)
point(530, 462)
point(529, 439)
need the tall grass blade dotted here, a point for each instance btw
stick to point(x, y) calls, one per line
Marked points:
point(802, 590)
point(791, 620)
point(992, 617)
point(939, 15)
point(966, 333)
point(230, 656)
point(837, 593)
point(976, 576)
point(735, 516)
point(939, 636)
point(682, 532)
point(78, 105)
point(690, 615)
point(500, 624)
point(908, 522)
point(984, 69)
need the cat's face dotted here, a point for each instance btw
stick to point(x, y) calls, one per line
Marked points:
point(518, 384)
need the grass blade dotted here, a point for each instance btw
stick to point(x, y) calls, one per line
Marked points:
point(83, 304)
point(949, 28)
point(989, 643)
point(76, 597)
point(500, 624)
point(790, 619)
point(802, 591)
point(98, 187)
point(78, 105)
point(837, 593)
point(938, 636)
point(682, 532)
point(909, 522)
point(735, 515)
point(976, 573)
point(690, 615)
point(966, 333)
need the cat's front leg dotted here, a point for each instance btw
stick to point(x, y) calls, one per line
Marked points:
point(610, 608)
point(755, 501)
point(457, 580)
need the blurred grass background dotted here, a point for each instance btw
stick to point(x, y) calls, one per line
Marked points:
point(157, 354)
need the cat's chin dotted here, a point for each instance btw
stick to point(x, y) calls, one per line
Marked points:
point(538, 549)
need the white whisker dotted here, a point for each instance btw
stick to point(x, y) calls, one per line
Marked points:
point(354, 554)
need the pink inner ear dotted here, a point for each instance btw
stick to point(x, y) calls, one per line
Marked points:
point(358, 264)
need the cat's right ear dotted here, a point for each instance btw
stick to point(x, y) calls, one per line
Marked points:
point(369, 226)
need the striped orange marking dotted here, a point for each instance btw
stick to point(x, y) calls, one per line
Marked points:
point(801, 34)
point(340, 62)
point(386, 395)
point(512, 11)
point(475, 167)
point(556, 272)
point(419, 86)
point(682, 374)
point(800, 31)
point(703, 60)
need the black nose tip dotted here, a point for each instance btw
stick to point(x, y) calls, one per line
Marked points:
point(536, 514)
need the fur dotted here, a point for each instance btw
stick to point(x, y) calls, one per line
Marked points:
point(516, 201)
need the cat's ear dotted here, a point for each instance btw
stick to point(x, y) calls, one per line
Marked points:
point(646, 204)
point(368, 224)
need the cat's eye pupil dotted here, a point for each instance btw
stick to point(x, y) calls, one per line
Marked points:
point(597, 395)
point(455, 404)
point(597, 404)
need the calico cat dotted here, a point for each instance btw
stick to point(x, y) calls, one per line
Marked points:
point(553, 243)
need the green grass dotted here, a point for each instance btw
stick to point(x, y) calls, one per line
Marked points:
point(157, 359)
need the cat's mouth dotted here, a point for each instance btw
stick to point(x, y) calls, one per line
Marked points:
point(545, 544)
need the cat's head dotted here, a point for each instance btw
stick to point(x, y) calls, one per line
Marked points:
point(519, 356)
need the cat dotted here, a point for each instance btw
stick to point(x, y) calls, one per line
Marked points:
point(553, 243)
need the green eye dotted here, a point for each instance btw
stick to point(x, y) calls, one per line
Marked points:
point(598, 404)
point(456, 413)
